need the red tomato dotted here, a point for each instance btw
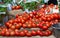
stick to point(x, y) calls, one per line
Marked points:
point(7, 33)
point(12, 33)
point(12, 27)
point(46, 34)
point(3, 33)
point(25, 31)
point(11, 21)
point(22, 33)
point(43, 18)
point(7, 24)
point(34, 33)
point(49, 32)
point(44, 27)
point(24, 25)
point(28, 34)
point(18, 7)
point(29, 26)
point(17, 26)
point(48, 19)
point(34, 25)
point(16, 32)
point(40, 33)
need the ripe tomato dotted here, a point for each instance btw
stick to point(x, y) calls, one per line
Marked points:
point(49, 32)
point(17, 26)
point(46, 34)
point(18, 7)
point(7, 33)
point(29, 26)
point(34, 25)
point(43, 18)
point(10, 21)
point(48, 19)
point(25, 31)
point(24, 26)
point(7, 24)
point(16, 32)
point(3, 33)
point(34, 33)
point(44, 27)
point(22, 33)
point(12, 33)
point(12, 27)
point(28, 34)
point(39, 33)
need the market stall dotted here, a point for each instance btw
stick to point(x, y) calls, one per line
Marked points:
point(29, 19)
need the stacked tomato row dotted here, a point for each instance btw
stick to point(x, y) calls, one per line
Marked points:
point(22, 33)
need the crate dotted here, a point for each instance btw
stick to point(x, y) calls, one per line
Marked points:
point(56, 30)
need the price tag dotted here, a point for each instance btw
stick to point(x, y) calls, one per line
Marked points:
point(2, 12)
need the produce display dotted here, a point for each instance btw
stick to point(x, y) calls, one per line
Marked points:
point(34, 19)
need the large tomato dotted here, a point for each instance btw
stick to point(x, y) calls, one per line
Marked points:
point(22, 33)
point(18, 7)
point(12, 33)
point(28, 34)
point(34, 33)
point(7, 33)
point(13, 7)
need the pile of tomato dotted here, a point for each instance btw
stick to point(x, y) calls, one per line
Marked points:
point(34, 19)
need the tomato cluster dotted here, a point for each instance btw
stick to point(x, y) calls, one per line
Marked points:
point(16, 7)
point(22, 33)
point(34, 19)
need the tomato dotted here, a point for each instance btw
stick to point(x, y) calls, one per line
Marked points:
point(40, 25)
point(7, 33)
point(13, 7)
point(48, 25)
point(16, 32)
point(7, 23)
point(49, 32)
point(20, 24)
point(39, 33)
point(48, 19)
point(34, 33)
point(25, 31)
point(17, 15)
point(19, 20)
point(29, 26)
point(24, 26)
point(17, 26)
point(46, 34)
point(31, 15)
point(44, 27)
point(34, 25)
point(22, 20)
point(43, 18)
point(56, 16)
point(28, 34)
point(3, 33)
point(10, 21)
point(22, 33)
point(18, 7)
point(12, 33)
point(12, 27)
point(15, 20)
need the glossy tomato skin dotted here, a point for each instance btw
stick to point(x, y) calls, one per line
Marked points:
point(28, 34)
point(7, 33)
point(40, 33)
point(34, 33)
point(22, 33)
point(12, 33)
point(3, 33)
point(44, 27)
point(25, 31)
point(18, 7)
